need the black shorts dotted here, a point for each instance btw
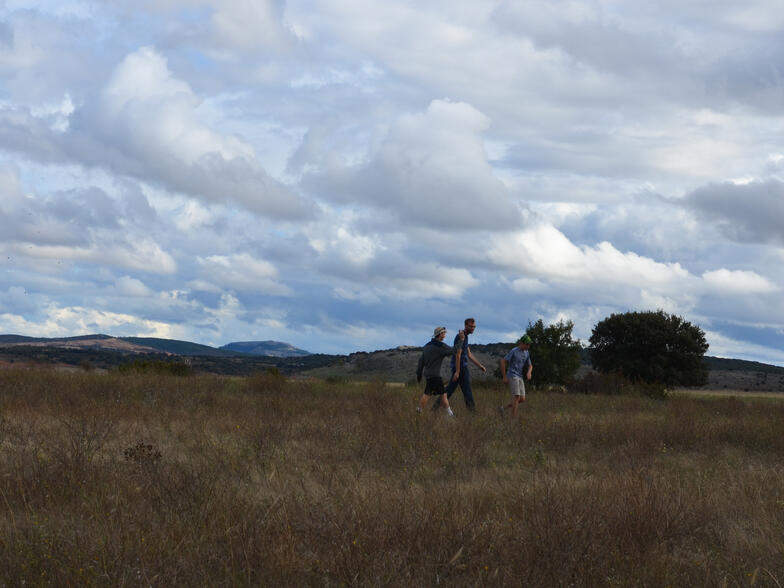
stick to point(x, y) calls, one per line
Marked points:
point(434, 386)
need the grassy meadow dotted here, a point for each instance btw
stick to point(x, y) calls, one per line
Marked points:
point(158, 480)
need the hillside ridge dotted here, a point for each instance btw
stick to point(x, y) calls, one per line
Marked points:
point(396, 364)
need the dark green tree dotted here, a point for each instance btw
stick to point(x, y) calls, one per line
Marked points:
point(555, 355)
point(654, 347)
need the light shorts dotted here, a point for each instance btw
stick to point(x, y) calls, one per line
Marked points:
point(517, 386)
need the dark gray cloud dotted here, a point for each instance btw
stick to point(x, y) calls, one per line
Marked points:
point(590, 36)
point(144, 125)
point(66, 218)
point(6, 35)
point(751, 213)
point(430, 170)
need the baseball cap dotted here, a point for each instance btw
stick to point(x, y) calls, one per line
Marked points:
point(525, 339)
point(438, 330)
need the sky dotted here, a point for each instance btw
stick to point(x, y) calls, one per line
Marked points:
point(345, 175)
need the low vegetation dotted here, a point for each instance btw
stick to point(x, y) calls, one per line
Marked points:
point(655, 347)
point(235, 365)
point(156, 479)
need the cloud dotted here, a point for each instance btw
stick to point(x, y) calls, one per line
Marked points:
point(156, 113)
point(241, 272)
point(591, 34)
point(250, 25)
point(10, 188)
point(143, 255)
point(16, 299)
point(430, 170)
point(59, 321)
point(85, 225)
point(131, 287)
point(724, 346)
point(368, 265)
point(146, 124)
point(544, 251)
point(738, 282)
point(751, 212)
point(417, 281)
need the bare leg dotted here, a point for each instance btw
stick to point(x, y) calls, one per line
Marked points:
point(423, 401)
point(445, 401)
point(517, 400)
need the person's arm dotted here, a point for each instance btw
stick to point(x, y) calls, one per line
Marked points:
point(458, 351)
point(530, 369)
point(447, 350)
point(475, 360)
point(503, 370)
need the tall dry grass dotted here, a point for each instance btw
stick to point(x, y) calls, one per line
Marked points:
point(161, 480)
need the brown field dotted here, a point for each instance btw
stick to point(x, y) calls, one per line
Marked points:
point(725, 393)
point(161, 480)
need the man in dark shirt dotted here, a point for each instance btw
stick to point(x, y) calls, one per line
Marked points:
point(460, 373)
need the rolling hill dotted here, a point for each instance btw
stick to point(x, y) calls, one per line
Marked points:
point(246, 357)
point(266, 348)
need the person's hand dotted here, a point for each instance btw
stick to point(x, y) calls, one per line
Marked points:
point(483, 368)
point(456, 377)
point(506, 380)
point(528, 376)
point(461, 334)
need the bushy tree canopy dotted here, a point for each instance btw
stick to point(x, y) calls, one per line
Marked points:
point(650, 346)
point(554, 354)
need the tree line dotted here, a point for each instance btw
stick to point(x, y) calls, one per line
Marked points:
point(650, 347)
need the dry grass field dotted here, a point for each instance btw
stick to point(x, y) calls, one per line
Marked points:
point(154, 480)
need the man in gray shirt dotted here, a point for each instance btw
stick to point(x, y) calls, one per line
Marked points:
point(433, 354)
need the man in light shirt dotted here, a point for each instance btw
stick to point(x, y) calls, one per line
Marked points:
point(515, 366)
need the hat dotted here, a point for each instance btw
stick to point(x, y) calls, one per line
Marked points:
point(438, 330)
point(525, 339)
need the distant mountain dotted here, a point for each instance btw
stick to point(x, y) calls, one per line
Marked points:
point(121, 344)
point(16, 339)
point(178, 347)
point(267, 348)
point(157, 345)
point(95, 342)
point(742, 365)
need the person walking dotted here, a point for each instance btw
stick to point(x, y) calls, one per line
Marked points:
point(433, 354)
point(460, 373)
point(514, 366)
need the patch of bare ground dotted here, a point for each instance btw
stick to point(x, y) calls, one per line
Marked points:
point(200, 480)
point(745, 381)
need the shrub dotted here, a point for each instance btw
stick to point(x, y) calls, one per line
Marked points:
point(652, 347)
point(155, 367)
point(555, 355)
point(615, 383)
